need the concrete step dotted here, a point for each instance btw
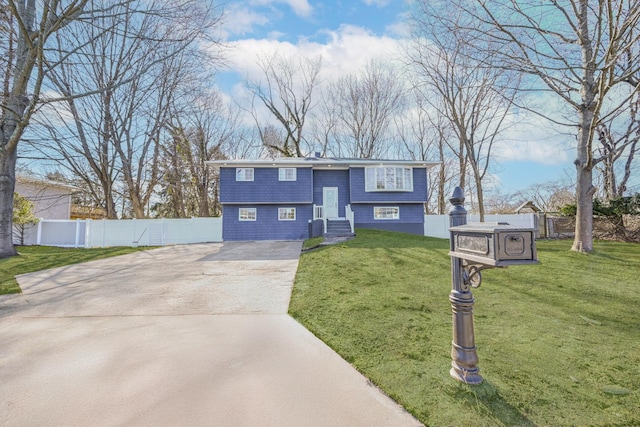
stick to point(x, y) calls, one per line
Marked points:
point(338, 228)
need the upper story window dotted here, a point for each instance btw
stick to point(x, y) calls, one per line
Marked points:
point(244, 174)
point(388, 178)
point(286, 174)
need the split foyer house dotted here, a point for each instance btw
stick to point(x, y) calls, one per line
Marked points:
point(298, 198)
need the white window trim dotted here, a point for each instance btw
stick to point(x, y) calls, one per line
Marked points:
point(393, 218)
point(282, 174)
point(285, 210)
point(241, 174)
point(370, 179)
point(248, 210)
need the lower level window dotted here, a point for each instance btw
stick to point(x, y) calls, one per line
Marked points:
point(247, 214)
point(386, 212)
point(286, 214)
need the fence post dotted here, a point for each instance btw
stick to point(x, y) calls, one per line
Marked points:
point(87, 233)
point(39, 232)
point(77, 237)
point(464, 357)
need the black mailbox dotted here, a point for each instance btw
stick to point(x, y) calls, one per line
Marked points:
point(496, 244)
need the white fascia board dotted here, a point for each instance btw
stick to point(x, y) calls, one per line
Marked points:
point(317, 163)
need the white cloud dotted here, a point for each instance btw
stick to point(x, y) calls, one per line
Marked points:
point(345, 51)
point(240, 20)
point(379, 3)
point(300, 7)
point(534, 139)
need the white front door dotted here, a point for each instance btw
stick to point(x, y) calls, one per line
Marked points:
point(330, 201)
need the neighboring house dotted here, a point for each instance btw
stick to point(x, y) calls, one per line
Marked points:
point(51, 199)
point(298, 198)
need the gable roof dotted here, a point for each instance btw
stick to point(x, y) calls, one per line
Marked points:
point(528, 205)
point(317, 163)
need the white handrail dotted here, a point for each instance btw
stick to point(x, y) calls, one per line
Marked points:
point(350, 216)
point(318, 213)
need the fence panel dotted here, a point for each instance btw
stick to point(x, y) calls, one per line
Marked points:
point(133, 232)
point(61, 233)
point(155, 232)
point(438, 225)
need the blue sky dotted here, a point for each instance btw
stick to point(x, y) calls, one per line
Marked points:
point(347, 34)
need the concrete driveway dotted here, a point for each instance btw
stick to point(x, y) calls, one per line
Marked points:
point(182, 335)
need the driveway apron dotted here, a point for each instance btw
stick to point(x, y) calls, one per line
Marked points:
point(181, 335)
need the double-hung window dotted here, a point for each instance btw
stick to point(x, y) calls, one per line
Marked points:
point(244, 174)
point(386, 212)
point(388, 178)
point(247, 214)
point(286, 214)
point(286, 174)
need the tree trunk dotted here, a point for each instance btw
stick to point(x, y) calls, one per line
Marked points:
point(480, 194)
point(442, 176)
point(137, 205)
point(7, 187)
point(583, 240)
point(110, 204)
point(462, 160)
point(203, 196)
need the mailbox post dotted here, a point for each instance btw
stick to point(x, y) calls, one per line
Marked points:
point(464, 358)
point(475, 247)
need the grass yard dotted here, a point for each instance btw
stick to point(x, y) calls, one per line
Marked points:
point(36, 258)
point(558, 342)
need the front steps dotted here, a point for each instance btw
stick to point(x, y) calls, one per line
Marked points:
point(338, 228)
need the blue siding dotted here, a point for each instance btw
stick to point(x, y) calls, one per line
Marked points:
point(317, 228)
point(332, 178)
point(266, 194)
point(359, 195)
point(411, 217)
point(266, 226)
point(265, 187)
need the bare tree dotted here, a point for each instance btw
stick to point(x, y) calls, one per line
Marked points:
point(576, 49)
point(29, 27)
point(117, 92)
point(424, 136)
point(618, 139)
point(548, 196)
point(474, 100)
point(204, 130)
point(287, 93)
point(365, 105)
point(324, 127)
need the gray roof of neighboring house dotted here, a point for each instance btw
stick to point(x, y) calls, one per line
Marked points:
point(46, 183)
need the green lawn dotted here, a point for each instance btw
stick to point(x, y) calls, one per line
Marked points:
point(558, 342)
point(35, 258)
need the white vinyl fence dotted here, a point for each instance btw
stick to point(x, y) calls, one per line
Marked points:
point(438, 225)
point(159, 232)
point(130, 232)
